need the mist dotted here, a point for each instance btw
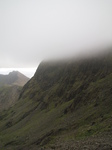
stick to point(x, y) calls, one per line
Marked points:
point(33, 30)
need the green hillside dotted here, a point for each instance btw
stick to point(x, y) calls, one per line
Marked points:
point(66, 105)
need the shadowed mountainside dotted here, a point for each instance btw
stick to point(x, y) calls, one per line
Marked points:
point(66, 105)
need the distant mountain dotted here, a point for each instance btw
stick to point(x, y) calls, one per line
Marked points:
point(10, 87)
point(65, 106)
point(13, 78)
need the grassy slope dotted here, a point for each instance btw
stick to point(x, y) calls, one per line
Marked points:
point(61, 103)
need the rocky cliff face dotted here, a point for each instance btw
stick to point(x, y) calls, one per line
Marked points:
point(66, 105)
point(60, 82)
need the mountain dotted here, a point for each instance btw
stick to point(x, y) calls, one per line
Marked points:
point(13, 78)
point(66, 105)
point(10, 87)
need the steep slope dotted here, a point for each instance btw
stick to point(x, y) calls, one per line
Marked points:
point(13, 78)
point(66, 105)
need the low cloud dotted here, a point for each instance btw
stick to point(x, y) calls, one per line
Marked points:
point(31, 31)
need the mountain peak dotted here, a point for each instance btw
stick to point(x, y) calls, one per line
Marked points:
point(13, 72)
point(13, 78)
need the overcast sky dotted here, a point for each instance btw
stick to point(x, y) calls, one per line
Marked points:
point(33, 30)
